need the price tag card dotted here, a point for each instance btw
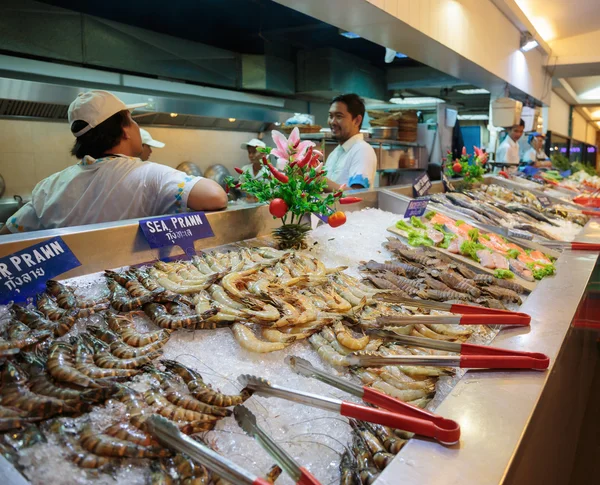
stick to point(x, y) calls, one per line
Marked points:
point(544, 201)
point(24, 274)
point(176, 230)
point(416, 207)
point(421, 186)
point(317, 219)
point(448, 187)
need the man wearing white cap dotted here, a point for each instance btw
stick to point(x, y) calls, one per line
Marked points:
point(255, 167)
point(110, 182)
point(148, 143)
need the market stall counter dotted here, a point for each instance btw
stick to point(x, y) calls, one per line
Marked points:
point(516, 427)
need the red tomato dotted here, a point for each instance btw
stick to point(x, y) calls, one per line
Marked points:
point(278, 208)
point(457, 167)
point(336, 219)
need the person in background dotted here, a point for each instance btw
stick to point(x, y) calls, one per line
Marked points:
point(508, 151)
point(148, 143)
point(255, 167)
point(353, 162)
point(110, 182)
point(536, 156)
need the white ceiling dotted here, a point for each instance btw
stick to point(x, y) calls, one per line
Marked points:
point(558, 19)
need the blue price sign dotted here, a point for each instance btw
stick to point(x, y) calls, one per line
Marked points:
point(23, 274)
point(544, 201)
point(421, 186)
point(177, 230)
point(416, 207)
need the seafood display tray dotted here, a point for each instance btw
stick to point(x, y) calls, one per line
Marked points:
point(529, 285)
point(506, 419)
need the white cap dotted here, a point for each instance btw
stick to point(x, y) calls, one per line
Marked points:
point(94, 107)
point(255, 142)
point(148, 140)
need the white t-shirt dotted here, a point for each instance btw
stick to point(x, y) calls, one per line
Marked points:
point(353, 163)
point(532, 155)
point(108, 189)
point(248, 168)
point(508, 152)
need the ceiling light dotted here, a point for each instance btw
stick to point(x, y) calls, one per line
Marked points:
point(480, 117)
point(399, 55)
point(174, 115)
point(473, 91)
point(231, 120)
point(595, 114)
point(349, 35)
point(415, 100)
point(528, 42)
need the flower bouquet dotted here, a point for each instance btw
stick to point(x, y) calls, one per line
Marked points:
point(294, 188)
point(471, 169)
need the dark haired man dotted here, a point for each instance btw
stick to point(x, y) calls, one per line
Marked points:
point(508, 151)
point(110, 182)
point(353, 162)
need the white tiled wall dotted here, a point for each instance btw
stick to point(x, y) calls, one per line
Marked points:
point(33, 150)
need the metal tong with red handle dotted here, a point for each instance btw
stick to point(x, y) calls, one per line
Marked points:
point(451, 429)
point(444, 431)
point(471, 356)
point(575, 246)
point(466, 314)
point(169, 435)
point(247, 421)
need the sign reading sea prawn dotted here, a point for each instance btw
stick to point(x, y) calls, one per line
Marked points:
point(24, 273)
point(176, 230)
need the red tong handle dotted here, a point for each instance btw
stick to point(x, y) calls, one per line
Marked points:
point(378, 398)
point(583, 246)
point(261, 481)
point(504, 317)
point(494, 319)
point(484, 357)
point(307, 478)
point(591, 213)
point(445, 431)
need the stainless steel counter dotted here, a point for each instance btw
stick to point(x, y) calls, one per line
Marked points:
point(517, 427)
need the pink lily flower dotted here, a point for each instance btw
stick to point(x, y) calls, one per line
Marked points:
point(289, 149)
point(478, 151)
point(464, 151)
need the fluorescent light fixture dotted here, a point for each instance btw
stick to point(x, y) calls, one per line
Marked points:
point(415, 100)
point(399, 55)
point(528, 42)
point(480, 117)
point(532, 44)
point(473, 91)
point(349, 35)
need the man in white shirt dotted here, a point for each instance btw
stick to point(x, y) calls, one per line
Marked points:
point(536, 156)
point(148, 143)
point(255, 167)
point(508, 151)
point(110, 183)
point(353, 162)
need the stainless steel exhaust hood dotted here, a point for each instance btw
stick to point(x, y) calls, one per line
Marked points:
point(23, 99)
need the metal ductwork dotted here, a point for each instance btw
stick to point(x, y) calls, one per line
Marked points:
point(268, 73)
point(38, 29)
point(325, 73)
